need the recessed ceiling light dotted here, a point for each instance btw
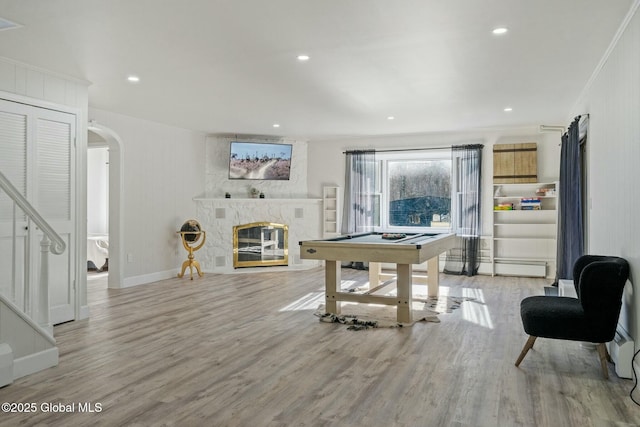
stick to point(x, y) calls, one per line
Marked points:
point(508, 109)
point(133, 79)
point(276, 125)
point(391, 118)
point(500, 30)
point(303, 57)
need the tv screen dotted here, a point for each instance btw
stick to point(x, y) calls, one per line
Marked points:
point(253, 160)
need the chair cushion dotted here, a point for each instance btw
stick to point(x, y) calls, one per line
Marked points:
point(556, 317)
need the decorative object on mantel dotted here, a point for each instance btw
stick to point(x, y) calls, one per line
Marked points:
point(261, 195)
point(227, 195)
point(193, 238)
point(254, 192)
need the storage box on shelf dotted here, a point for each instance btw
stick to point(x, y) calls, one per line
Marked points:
point(515, 163)
point(525, 229)
point(331, 211)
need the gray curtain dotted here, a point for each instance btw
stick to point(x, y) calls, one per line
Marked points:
point(360, 180)
point(464, 259)
point(571, 207)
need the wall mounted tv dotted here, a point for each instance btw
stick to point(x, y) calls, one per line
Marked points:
point(254, 160)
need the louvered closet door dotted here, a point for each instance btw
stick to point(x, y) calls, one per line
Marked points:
point(37, 153)
point(13, 164)
point(54, 134)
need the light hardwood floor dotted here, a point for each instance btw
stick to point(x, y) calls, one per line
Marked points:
point(246, 350)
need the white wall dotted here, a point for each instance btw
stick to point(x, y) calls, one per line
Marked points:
point(613, 145)
point(328, 166)
point(163, 171)
point(25, 80)
point(98, 191)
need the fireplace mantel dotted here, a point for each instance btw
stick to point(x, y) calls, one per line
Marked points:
point(218, 216)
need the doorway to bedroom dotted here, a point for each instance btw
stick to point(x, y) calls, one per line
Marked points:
point(101, 136)
point(97, 212)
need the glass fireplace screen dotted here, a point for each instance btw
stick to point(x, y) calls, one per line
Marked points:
point(260, 244)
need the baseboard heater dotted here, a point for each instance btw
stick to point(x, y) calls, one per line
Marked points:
point(523, 269)
point(621, 351)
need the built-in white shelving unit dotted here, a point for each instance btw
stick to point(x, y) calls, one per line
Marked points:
point(524, 238)
point(331, 211)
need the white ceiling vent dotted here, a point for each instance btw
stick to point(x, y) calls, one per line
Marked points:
point(5, 24)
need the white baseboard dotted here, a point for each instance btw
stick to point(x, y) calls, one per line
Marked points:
point(35, 362)
point(148, 278)
point(84, 312)
point(6, 364)
point(243, 270)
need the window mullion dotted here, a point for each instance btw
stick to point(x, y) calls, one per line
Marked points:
point(383, 189)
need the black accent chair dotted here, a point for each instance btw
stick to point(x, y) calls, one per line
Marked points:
point(592, 317)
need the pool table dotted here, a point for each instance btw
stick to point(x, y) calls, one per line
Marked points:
point(402, 249)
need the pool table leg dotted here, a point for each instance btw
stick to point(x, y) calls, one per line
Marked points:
point(374, 274)
point(332, 282)
point(433, 276)
point(404, 292)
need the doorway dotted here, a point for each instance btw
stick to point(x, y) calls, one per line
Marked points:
point(97, 211)
point(109, 217)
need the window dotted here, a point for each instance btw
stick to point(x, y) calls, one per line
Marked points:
point(414, 191)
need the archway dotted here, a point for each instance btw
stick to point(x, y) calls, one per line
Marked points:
point(116, 252)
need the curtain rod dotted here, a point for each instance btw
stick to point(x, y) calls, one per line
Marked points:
point(399, 150)
point(581, 116)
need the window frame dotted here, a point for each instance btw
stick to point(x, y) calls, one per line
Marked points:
point(382, 187)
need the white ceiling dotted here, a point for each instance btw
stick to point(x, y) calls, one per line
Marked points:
point(229, 66)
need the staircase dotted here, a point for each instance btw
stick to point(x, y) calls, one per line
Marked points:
point(26, 334)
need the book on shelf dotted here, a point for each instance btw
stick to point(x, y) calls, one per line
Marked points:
point(546, 192)
point(503, 207)
point(531, 203)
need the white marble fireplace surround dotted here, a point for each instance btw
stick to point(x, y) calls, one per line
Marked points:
point(285, 202)
point(218, 216)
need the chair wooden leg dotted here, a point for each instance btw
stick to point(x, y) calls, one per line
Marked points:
point(609, 359)
point(525, 349)
point(602, 351)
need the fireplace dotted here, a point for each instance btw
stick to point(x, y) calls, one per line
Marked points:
point(218, 216)
point(260, 244)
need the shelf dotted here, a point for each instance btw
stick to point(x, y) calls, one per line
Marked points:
point(527, 184)
point(524, 241)
point(521, 220)
point(331, 192)
point(524, 210)
point(517, 260)
point(531, 225)
point(331, 211)
point(524, 238)
point(525, 197)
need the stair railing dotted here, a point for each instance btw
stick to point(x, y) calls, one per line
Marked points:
point(36, 302)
